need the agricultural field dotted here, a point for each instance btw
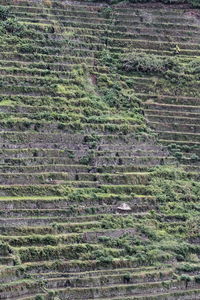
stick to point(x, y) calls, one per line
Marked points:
point(99, 150)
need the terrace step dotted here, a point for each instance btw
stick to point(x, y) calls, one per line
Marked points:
point(39, 202)
point(179, 136)
point(77, 211)
point(124, 290)
point(53, 177)
point(189, 294)
point(174, 127)
point(170, 114)
point(97, 164)
point(165, 99)
point(89, 281)
point(177, 108)
point(21, 222)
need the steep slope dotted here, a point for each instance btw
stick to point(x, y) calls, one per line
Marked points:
point(99, 107)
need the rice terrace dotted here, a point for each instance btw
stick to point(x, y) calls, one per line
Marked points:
point(100, 150)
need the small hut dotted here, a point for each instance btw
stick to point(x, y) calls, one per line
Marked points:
point(124, 208)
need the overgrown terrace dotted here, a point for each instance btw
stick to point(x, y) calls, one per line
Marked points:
point(100, 151)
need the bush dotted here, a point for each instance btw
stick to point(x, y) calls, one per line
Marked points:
point(14, 27)
point(39, 297)
point(197, 278)
point(194, 158)
point(105, 259)
point(127, 278)
point(5, 249)
point(195, 3)
point(26, 48)
point(186, 279)
point(194, 66)
point(146, 63)
point(106, 12)
point(186, 268)
point(4, 13)
point(178, 155)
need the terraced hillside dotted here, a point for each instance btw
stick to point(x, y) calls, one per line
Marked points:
point(100, 151)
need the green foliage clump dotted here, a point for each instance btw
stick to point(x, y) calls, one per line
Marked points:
point(127, 277)
point(146, 63)
point(4, 13)
point(186, 267)
point(106, 12)
point(26, 48)
point(186, 278)
point(197, 279)
point(117, 222)
point(172, 184)
point(12, 26)
point(194, 158)
point(5, 249)
point(194, 3)
point(39, 297)
point(193, 66)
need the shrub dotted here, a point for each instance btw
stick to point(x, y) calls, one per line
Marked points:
point(26, 48)
point(105, 259)
point(5, 249)
point(146, 63)
point(127, 278)
point(178, 155)
point(12, 26)
point(186, 279)
point(106, 12)
point(87, 159)
point(193, 67)
point(4, 13)
point(51, 294)
point(39, 297)
point(195, 3)
point(197, 278)
point(187, 268)
point(104, 239)
point(194, 158)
